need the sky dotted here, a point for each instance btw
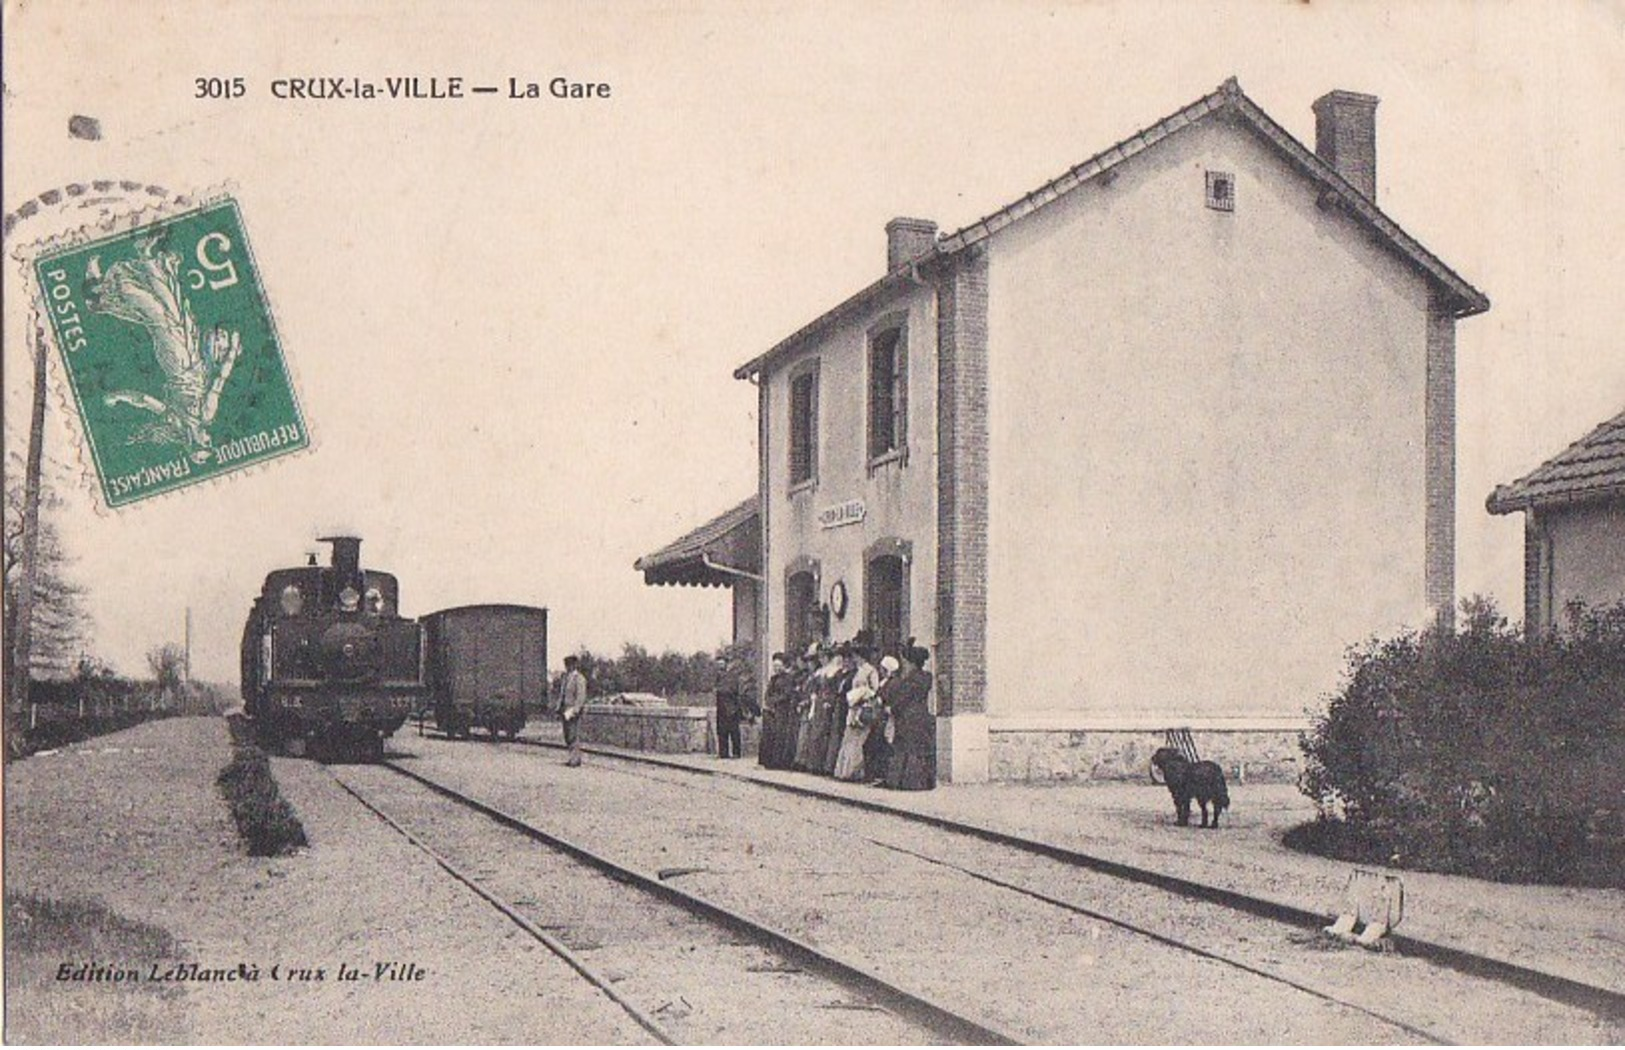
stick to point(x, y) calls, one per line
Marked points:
point(512, 323)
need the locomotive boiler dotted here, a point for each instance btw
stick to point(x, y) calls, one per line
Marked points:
point(328, 662)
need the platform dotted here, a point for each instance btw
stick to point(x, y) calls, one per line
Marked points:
point(1573, 933)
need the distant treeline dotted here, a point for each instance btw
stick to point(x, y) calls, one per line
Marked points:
point(670, 674)
point(97, 701)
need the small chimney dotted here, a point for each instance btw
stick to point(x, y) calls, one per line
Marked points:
point(1346, 137)
point(908, 239)
point(346, 553)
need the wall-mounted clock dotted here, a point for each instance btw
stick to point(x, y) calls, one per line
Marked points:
point(837, 599)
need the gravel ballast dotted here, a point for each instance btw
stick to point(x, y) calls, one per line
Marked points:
point(1570, 932)
point(865, 886)
point(134, 820)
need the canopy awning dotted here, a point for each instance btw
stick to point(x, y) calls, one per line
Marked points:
point(720, 553)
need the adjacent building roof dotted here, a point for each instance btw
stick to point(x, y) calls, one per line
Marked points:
point(1464, 299)
point(719, 553)
point(1592, 469)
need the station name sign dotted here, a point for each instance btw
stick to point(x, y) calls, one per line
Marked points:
point(849, 513)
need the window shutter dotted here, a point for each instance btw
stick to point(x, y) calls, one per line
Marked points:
point(900, 393)
point(812, 426)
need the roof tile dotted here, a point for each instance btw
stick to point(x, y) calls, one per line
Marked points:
point(736, 530)
point(1591, 469)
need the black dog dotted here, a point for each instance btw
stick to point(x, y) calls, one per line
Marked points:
point(1186, 780)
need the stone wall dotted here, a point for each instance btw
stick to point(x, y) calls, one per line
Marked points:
point(1247, 755)
point(663, 730)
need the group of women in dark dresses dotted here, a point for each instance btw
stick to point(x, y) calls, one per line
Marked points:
point(838, 711)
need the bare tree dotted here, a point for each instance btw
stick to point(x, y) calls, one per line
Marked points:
point(55, 609)
point(167, 663)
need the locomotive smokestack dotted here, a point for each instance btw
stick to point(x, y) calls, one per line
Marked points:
point(346, 553)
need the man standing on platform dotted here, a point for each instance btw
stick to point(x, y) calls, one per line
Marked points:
point(730, 710)
point(572, 699)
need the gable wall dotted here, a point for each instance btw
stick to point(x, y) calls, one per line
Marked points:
point(1206, 442)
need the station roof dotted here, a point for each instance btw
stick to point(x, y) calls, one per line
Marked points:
point(719, 553)
point(1590, 470)
point(1228, 99)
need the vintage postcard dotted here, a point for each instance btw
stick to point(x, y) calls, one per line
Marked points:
point(804, 523)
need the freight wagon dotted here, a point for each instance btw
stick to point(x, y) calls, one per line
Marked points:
point(487, 667)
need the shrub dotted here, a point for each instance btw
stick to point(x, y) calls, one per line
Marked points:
point(265, 821)
point(1481, 751)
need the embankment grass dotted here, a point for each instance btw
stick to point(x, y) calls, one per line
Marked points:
point(43, 1006)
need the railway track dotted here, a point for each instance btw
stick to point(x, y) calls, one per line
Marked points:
point(1608, 1006)
point(685, 969)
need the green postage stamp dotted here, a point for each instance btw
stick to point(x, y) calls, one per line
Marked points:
point(171, 353)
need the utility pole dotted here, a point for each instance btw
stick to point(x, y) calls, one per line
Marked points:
point(22, 642)
point(186, 664)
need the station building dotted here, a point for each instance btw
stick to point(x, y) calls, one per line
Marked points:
point(1147, 448)
point(1573, 526)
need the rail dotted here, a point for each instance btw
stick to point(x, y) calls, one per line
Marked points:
point(1603, 1002)
point(949, 1024)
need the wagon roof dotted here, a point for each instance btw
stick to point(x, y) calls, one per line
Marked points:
point(458, 610)
point(1590, 470)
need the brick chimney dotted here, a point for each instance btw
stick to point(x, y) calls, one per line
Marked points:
point(1346, 137)
point(907, 239)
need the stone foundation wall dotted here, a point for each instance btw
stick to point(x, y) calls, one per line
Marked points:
point(663, 730)
point(1268, 755)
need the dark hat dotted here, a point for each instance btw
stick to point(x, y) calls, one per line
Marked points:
point(918, 655)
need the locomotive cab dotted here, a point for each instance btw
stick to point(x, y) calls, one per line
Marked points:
point(327, 657)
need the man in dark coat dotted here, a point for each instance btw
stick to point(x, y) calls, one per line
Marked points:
point(730, 709)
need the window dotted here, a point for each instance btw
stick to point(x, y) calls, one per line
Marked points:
point(888, 391)
point(885, 593)
point(1221, 191)
point(801, 619)
point(804, 426)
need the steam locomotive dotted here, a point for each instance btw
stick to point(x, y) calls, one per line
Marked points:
point(327, 659)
